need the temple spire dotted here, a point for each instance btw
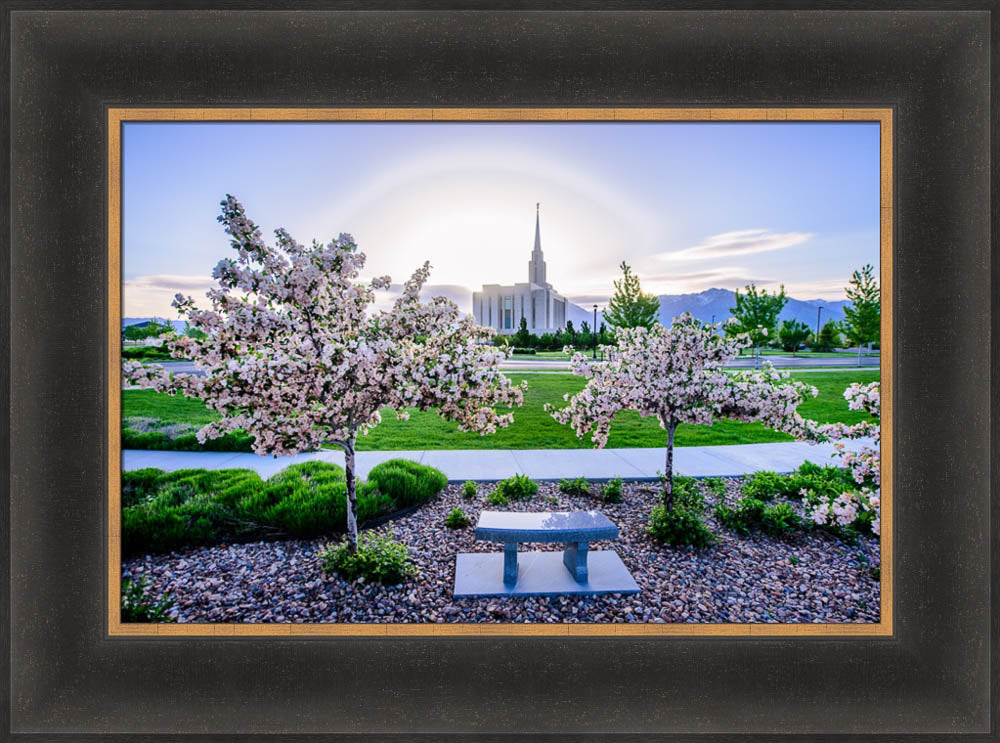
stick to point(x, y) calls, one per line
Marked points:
point(538, 231)
point(536, 266)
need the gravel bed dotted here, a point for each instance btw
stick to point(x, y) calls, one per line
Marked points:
point(805, 577)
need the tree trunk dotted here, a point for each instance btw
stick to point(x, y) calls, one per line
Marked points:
point(352, 495)
point(668, 466)
point(756, 360)
point(860, 348)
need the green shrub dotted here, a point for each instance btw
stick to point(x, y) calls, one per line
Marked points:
point(576, 486)
point(145, 353)
point(679, 526)
point(526, 351)
point(518, 487)
point(687, 495)
point(612, 491)
point(159, 441)
point(716, 486)
point(378, 558)
point(456, 519)
point(681, 523)
point(137, 606)
point(752, 514)
point(497, 498)
point(311, 498)
point(826, 481)
point(779, 519)
point(408, 483)
point(137, 484)
point(164, 511)
point(764, 486)
point(469, 490)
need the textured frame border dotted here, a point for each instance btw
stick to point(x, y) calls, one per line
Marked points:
point(119, 116)
point(930, 61)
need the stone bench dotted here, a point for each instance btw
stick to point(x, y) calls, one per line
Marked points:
point(576, 571)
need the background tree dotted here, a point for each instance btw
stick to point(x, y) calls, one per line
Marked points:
point(522, 338)
point(295, 355)
point(630, 307)
point(756, 313)
point(677, 374)
point(792, 335)
point(829, 337)
point(863, 316)
point(193, 332)
point(151, 329)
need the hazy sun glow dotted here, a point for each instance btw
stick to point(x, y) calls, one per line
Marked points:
point(689, 206)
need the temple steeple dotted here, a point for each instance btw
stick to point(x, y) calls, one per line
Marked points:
point(536, 266)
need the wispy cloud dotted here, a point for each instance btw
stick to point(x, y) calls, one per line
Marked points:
point(726, 277)
point(585, 300)
point(151, 295)
point(739, 242)
point(170, 282)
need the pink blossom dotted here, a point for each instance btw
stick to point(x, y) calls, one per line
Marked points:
point(295, 355)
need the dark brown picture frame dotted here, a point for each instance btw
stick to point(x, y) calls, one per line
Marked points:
point(67, 674)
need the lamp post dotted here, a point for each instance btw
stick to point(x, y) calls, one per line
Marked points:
point(816, 339)
point(594, 331)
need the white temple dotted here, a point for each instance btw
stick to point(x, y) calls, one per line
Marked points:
point(502, 307)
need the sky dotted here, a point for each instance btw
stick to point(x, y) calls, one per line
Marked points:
point(690, 206)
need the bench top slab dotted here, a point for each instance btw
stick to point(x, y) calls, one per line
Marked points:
point(545, 526)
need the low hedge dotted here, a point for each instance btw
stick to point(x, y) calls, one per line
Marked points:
point(163, 511)
point(146, 353)
point(158, 441)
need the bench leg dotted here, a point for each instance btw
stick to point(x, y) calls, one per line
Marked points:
point(575, 560)
point(510, 563)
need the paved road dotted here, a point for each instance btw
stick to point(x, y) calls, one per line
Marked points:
point(790, 362)
point(539, 464)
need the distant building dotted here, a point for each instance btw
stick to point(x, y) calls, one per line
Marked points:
point(502, 307)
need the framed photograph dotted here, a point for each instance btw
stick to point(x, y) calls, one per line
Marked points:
point(777, 522)
point(340, 377)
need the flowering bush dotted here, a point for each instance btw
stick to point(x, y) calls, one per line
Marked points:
point(864, 504)
point(294, 354)
point(677, 374)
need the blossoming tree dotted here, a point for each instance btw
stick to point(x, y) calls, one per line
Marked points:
point(677, 374)
point(295, 354)
point(864, 463)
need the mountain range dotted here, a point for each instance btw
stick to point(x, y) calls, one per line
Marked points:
point(704, 306)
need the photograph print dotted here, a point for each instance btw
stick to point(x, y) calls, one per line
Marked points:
point(479, 372)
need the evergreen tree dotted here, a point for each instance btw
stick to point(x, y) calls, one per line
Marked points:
point(522, 338)
point(792, 334)
point(863, 316)
point(756, 314)
point(630, 307)
point(829, 337)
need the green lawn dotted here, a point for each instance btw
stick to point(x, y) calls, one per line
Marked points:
point(533, 428)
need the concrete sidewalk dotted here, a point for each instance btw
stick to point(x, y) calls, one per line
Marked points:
point(538, 464)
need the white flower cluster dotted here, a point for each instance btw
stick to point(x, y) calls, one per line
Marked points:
point(865, 464)
point(676, 373)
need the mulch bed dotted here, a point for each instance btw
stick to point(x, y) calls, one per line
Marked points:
point(804, 577)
